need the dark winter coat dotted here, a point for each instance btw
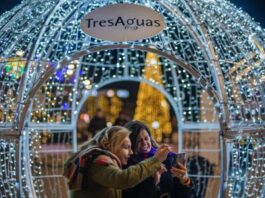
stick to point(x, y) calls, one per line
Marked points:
point(169, 187)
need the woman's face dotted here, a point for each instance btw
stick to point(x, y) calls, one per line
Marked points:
point(124, 151)
point(143, 142)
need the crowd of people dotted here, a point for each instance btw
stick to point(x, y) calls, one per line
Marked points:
point(125, 161)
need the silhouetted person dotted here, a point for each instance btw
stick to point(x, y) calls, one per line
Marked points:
point(97, 123)
point(121, 120)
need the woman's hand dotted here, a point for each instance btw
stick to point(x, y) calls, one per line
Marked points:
point(161, 152)
point(158, 174)
point(181, 173)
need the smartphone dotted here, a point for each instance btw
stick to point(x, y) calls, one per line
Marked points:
point(180, 158)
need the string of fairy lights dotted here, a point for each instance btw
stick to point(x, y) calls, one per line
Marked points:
point(37, 35)
point(247, 168)
point(8, 168)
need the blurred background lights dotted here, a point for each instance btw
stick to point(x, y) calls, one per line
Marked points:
point(122, 93)
point(110, 93)
point(155, 125)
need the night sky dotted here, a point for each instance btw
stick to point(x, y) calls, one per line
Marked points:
point(256, 8)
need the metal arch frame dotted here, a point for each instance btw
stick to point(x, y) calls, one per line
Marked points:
point(132, 79)
point(73, 116)
point(57, 34)
point(180, 123)
point(29, 181)
point(223, 104)
point(12, 17)
point(21, 91)
point(210, 56)
point(230, 132)
point(216, 72)
point(190, 69)
point(50, 71)
point(227, 133)
point(34, 48)
point(6, 134)
point(22, 86)
point(162, 3)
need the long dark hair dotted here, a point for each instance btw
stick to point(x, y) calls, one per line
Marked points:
point(135, 127)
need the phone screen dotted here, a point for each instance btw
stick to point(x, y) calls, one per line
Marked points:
point(180, 158)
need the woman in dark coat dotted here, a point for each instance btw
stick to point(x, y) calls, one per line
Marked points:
point(172, 182)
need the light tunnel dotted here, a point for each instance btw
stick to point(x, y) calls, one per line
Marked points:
point(211, 57)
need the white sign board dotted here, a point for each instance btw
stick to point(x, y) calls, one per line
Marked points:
point(122, 22)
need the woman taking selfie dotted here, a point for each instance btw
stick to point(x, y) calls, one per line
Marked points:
point(95, 171)
point(171, 181)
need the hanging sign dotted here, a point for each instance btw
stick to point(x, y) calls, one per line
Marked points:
point(123, 22)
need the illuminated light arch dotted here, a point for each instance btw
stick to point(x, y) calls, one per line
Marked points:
point(221, 42)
